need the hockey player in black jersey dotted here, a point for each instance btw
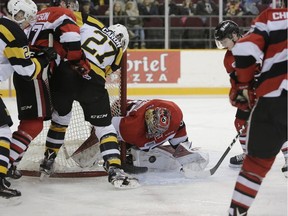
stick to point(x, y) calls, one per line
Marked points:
point(15, 57)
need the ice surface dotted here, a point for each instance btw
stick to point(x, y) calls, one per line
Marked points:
point(209, 123)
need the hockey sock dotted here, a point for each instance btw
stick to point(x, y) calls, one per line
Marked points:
point(248, 183)
point(55, 137)
point(27, 131)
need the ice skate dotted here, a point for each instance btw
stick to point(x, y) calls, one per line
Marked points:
point(237, 161)
point(46, 166)
point(7, 192)
point(119, 179)
point(14, 173)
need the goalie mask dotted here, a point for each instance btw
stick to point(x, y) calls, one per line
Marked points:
point(157, 121)
point(225, 30)
point(22, 10)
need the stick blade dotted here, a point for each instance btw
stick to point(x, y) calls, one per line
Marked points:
point(197, 174)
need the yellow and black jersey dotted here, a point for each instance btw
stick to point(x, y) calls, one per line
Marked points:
point(15, 53)
point(101, 47)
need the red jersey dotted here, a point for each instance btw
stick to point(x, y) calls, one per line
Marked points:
point(61, 22)
point(229, 62)
point(132, 128)
point(269, 36)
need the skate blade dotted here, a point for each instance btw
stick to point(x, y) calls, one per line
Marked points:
point(126, 184)
point(11, 201)
point(43, 175)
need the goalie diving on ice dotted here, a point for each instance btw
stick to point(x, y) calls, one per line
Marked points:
point(147, 128)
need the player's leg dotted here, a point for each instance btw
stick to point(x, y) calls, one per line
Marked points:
point(94, 100)
point(5, 141)
point(63, 87)
point(33, 107)
point(267, 133)
point(240, 121)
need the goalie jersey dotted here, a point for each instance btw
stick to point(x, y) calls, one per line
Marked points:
point(15, 53)
point(101, 47)
point(132, 128)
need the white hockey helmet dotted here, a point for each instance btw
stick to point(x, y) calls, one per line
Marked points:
point(121, 33)
point(28, 7)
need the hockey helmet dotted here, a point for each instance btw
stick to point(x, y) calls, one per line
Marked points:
point(121, 34)
point(225, 29)
point(28, 7)
point(157, 121)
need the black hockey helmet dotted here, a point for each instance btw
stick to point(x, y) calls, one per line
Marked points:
point(225, 29)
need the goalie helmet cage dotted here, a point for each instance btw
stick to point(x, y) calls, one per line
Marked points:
point(77, 133)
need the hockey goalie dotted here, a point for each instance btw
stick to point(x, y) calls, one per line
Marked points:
point(147, 128)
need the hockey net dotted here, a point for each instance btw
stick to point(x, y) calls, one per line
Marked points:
point(77, 133)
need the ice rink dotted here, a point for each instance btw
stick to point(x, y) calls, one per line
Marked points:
point(210, 126)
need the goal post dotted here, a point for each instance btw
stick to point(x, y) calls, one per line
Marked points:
point(77, 133)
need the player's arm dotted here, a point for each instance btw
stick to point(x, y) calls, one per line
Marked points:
point(180, 136)
point(70, 39)
point(18, 54)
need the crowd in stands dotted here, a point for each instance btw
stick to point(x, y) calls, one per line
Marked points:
point(144, 17)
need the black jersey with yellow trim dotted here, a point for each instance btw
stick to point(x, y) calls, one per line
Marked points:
point(101, 47)
point(16, 51)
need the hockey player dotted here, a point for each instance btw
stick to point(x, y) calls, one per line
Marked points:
point(103, 48)
point(60, 22)
point(267, 128)
point(151, 123)
point(227, 33)
point(15, 56)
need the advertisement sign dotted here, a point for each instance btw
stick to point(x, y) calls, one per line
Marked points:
point(153, 66)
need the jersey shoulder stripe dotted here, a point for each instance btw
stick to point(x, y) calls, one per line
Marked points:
point(12, 33)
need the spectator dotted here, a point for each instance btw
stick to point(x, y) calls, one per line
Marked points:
point(86, 8)
point(42, 7)
point(119, 14)
point(187, 8)
point(95, 4)
point(148, 8)
point(233, 8)
point(135, 24)
point(206, 7)
point(250, 7)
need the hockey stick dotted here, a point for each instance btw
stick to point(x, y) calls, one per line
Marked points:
point(210, 172)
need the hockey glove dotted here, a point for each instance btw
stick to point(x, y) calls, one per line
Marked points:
point(81, 66)
point(241, 119)
point(242, 96)
point(44, 55)
point(239, 124)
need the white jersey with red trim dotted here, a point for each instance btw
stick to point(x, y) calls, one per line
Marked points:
point(132, 127)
